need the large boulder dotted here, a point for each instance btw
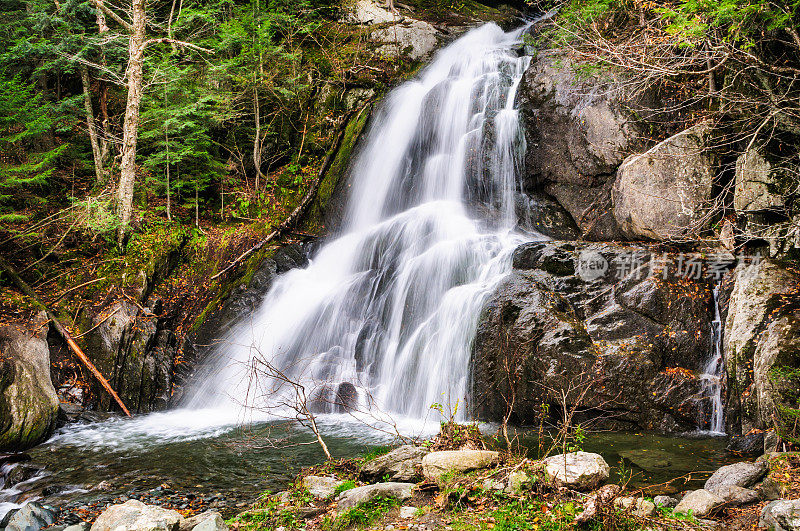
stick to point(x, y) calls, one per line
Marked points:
point(700, 502)
point(577, 470)
point(351, 498)
point(396, 35)
point(595, 327)
point(437, 464)
point(135, 354)
point(415, 39)
point(759, 185)
point(577, 132)
point(31, 517)
point(368, 13)
point(664, 193)
point(762, 346)
point(134, 515)
point(28, 400)
point(744, 474)
point(401, 464)
point(781, 515)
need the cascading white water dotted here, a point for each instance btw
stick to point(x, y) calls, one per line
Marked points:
point(711, 378)
point(389, 309)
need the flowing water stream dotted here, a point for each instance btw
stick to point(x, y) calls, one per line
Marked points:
point(711, 378)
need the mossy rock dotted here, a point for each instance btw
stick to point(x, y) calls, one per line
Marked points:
point(28, 400)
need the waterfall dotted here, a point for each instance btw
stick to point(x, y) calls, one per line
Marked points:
point(385, 314)
point(711, 378)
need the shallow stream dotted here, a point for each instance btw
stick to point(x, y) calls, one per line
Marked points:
point(176, 459)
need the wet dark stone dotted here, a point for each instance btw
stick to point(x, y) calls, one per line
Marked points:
point(750, 445)
point(346, 397)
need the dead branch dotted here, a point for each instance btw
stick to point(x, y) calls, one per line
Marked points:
point(65, 335)
point(298, 212)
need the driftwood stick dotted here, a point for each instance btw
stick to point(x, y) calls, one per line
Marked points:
point(298, 212)
point(63, 332)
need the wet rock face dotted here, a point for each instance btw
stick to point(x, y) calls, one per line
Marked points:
point(28, 400)
point(245, 298)
point(135, 352)
point(762, 347)
point(624, 344)
point(577, 134)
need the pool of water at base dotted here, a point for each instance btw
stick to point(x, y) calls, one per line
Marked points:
point(231, 465)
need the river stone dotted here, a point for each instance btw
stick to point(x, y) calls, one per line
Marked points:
point(407, 512)
point(517, 480)
point(351, 498)
point(134, 515)
point(781, 515)
point(31, 517)
point(735, 495)
point(768, 489)
point(700, 503)
point(750, 445)
point(577, 470)
point(322, 487)
point(637, 506)
point(28, 400)
point(401, 464)
point(207, 521)
point(82, 526)
point(437, 464)
point(665, 501)
point(744, 474)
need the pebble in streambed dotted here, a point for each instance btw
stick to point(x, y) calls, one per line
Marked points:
point(187, 503)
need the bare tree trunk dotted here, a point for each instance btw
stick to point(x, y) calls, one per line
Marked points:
point(97, 155)
point(130, 127)
point(257, 138)
point(169, 26)
point(196, 207)
point(105, 145)
point(169, 209)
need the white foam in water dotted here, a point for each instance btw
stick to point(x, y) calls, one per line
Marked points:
point(391, 306)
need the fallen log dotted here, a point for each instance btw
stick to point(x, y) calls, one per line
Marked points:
point(62, 331)
point(298, 212)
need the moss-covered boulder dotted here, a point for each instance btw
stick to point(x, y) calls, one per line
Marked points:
point(28, 400)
